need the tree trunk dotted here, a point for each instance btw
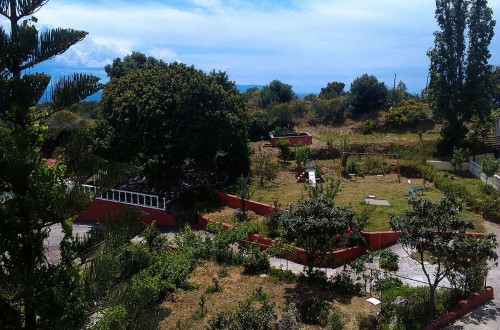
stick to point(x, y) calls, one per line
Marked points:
point(432, 307)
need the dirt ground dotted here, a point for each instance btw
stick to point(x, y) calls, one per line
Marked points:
point(237, 287)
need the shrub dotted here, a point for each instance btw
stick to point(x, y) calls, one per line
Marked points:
point(302, 154)
point(344, 284)
point(284, 149)
point(256, 261)
point(336, 322)
point(247, 316)
point(282, 275)
point(388, 260)
point(314, 311)
point(367, 322)
point(368, 127)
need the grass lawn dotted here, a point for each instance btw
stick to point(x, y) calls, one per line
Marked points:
point(237, 286)
point(353, 192)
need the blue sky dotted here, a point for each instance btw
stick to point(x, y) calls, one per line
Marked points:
point(305, 43)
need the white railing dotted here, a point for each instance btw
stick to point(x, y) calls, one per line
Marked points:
point(129, 197)
point(475, 169)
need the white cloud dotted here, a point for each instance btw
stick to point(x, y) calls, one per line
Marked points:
point(307, 42)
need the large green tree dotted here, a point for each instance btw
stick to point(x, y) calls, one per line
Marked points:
point(461, 82)
point(436, 229)
point(367, 94)
point(33, 293)
point(276, 92)
point(165, 116)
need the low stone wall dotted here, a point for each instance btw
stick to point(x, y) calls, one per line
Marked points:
point(464, 306)
point(99, 210)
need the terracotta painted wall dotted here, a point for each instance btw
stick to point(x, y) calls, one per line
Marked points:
point(99, 209)
point(465, 305)
point(292, 140)
point(234, 202)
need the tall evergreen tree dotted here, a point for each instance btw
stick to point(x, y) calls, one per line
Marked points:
point(460, 77)
point(33, 293)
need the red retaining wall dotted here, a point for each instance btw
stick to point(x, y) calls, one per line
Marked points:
point(379, 239)
point(292, 140)
point(234, 202)
point(99, 209)
point(464, 306)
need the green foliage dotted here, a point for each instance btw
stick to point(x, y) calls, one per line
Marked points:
point(284, 149)
point(328, 111)
point(368, 127)
point(460, 76)
point(282, 275)
point(489, 166)
point(367, 94)
point(460, 155)
point(132, 62)
point(409, 113)
point(163, 116)
point(35, 293)
point(113, 318)
point(251, 314)
point(327, 190)
point(201, 312)
point(388, 260)
point(302, 154)
point(318, 227)
point(438, 227)
point(367, 322)
point(336, 322)
point(332, 90)
point(314, 311)
point(276, 92)
point(413, 314)
point(245, 192)
point(255, 261)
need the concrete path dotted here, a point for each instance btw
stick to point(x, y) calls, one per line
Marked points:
point(52, 252)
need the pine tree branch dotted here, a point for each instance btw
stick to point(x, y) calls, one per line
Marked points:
point(23, 8)
point(50, 44)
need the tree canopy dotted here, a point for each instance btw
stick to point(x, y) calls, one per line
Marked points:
point(367, 94)
point(134, 61)
point(276, 92)
point(164, 116)
point(332, 90)
point(437, 229)
point(461, 82)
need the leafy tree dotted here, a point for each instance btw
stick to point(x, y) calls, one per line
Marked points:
point(332, 90)
point(276, 92)
point(317, 226)
point(367, 94)
point(437, 229)
point(460, 77)
point(263, 166)
point(489, 166)
point(163, 117)
point(36, 294)
point(134, 61)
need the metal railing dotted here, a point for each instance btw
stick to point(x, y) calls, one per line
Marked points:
point(129, 197)
point(475, 169)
